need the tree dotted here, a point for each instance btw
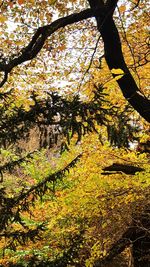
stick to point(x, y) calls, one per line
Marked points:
point(72, 117)
point(103, 13)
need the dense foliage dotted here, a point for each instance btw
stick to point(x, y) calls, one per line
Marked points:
point(75, 175)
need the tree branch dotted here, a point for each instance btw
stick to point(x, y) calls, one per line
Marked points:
point(9, 206)
point(115, 60)
point(39, 38)
point(4, 78)
point(113, 52)
point(136, 235)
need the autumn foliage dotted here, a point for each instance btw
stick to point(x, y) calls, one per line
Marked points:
point(74, 133)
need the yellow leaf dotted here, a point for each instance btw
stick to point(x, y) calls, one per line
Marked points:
point(11, 36)
point(2, 18)
point(117, 71)
point(19, 43)
point(118, 77)
point(51, 2)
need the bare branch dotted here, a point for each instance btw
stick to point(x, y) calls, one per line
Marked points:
point(116, 249)
point(39, 38)
point(136, 5)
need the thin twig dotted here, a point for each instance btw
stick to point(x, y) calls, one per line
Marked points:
point(91, 60)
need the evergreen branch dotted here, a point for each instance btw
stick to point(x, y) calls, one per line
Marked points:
point(9, 166)
point(11, 207)
point(72, 116)
point(40, 189)
point(67, 257)
point(21, 237)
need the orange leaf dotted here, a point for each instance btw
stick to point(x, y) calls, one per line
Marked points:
point(62, 47)
point(20, 2)
point(122, 8)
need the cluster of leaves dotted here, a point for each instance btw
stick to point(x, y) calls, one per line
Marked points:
point(68, 255)
point(124, 130)
point(11, 165)
point(72, 118)
point(67, 118)
point(84, 199)
point(79, 215)
point(12, 207)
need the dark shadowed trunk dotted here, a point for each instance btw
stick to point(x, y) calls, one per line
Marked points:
point(115, 60)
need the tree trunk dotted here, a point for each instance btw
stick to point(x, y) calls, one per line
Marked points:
point(115, 60)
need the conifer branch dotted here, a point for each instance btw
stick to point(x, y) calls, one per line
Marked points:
point(11, 207)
